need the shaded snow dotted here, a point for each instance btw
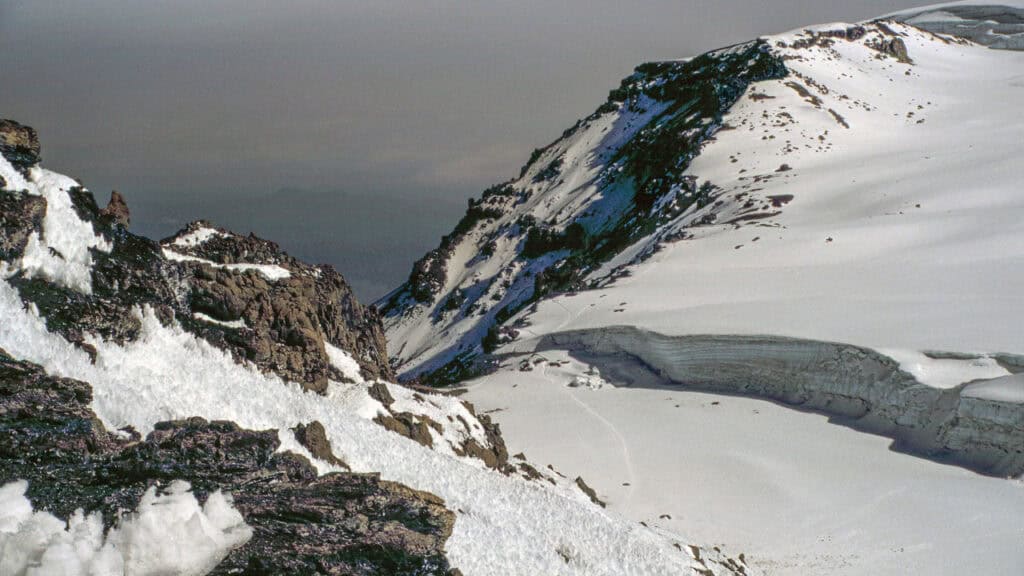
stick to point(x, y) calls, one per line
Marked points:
point(1003, 389)
point(169, 533)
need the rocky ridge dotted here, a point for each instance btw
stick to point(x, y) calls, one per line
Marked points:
point(218, 288)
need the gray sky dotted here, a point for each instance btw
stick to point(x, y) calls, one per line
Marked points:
point(349, 132)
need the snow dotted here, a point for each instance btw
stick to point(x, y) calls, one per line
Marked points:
point(1008, 389)
point(898, 235)
point(901, 233)
point(944, 5)
point(505, 525)
point(62, 253)
point(271, 272)
point(945, 372)
point(198, 237)
point(344, 362)
point(236, 324)
point(170, 533)
point(794, 492)
point(994, 24)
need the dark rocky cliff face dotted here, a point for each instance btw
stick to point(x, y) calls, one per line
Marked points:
point(340, 523)
point(214, 289)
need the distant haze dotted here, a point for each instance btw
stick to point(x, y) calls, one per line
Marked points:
point(349, 132)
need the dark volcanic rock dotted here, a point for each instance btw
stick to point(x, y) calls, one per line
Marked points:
point(303, 523)
point(19, 144)
point(20, 216)
point(289, 320)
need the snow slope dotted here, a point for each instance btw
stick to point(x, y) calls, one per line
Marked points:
point(903, 231)
point(871, 198)
point(791, 490)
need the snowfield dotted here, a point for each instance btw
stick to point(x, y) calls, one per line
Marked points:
point(796, 492)
point(901, 232)
point(867, 206)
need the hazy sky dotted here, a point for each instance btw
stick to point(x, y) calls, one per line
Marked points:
point(349, 132)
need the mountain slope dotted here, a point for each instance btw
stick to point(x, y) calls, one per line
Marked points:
point(687, 150)
point(848, 243)
point(127, 366)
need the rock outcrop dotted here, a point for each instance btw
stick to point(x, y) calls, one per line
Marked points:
point(240, 293)
point(282, 321)
point(339, 523)
point(116, 211)
point(19, 144)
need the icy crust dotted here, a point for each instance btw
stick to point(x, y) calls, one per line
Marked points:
point(61, 251)
point(981, 431)
point(169, 533)
point(505, 525)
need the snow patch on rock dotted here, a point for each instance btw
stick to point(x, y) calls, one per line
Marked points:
point(269, 271)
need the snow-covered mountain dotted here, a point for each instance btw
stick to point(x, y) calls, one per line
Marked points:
point(829, 218)
point(797, 155)
point(844, 183)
